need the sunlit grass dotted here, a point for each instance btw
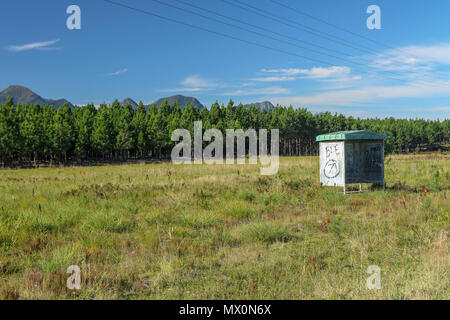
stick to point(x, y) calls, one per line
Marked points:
point(162, 231)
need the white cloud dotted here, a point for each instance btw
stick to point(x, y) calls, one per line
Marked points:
point(195, 81)
point(343, 79)
point(414, 61)
point(436, 54)
point(34, 46)
point(446, 109)
point(274, 79)
point(183, 90)
point(418, 67)
point(258, 91)
point(313, 73)
point(352, 97)
point(117, 72)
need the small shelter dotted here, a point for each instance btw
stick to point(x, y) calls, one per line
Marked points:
point(351, 157)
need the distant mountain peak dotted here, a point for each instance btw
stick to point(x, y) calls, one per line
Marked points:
point(23, 95)
point(265, 105)
point(182, 101)
point(15, 91)
point(129, 101)
point(17, 87)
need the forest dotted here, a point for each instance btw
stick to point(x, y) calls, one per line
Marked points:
point(34, 133)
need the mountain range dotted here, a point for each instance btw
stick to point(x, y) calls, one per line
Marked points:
point(182, 101)
point(24, 95)
point(265, 105)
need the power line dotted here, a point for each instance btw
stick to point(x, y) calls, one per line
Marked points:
point(214, 32)
point(254, 32)
point(265, 29)
point(226, 35)
point(330, 24)
point(298, 26)
point(340, 28)
point(282, 20)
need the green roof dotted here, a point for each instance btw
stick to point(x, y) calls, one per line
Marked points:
point(352, 135)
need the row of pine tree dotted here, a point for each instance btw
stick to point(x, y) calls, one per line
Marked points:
point(111, 132)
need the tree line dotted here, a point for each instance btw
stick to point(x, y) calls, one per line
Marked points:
point(112, 132)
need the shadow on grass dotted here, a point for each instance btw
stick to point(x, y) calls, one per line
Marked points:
point(396, 187)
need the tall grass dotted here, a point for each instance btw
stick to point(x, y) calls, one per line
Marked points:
point(185, 232)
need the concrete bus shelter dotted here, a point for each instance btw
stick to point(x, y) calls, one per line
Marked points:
point(349, 157)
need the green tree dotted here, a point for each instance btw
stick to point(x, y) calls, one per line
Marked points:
point(139, 124)
point(124, 130)
point(63, 132)
point(84, 123)
point(103, 132)
point(31, 131)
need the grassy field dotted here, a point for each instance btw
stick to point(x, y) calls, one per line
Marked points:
point(162, 231)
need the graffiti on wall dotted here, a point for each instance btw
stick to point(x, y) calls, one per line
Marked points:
point(373, 160)
point(351, 162)
point(332, 167)
point(332, 163)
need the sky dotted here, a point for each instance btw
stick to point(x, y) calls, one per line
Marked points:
point(321, 55)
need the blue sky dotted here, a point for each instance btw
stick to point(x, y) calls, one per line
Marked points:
point(121, 53)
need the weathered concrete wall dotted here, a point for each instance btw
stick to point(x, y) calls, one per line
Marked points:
point(332, 163)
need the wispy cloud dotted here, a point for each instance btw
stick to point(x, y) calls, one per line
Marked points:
point(366, 95)
point(414, 62)
point(446, 109)
point(273, 79)
point(117, 72)
point(193, 83)
point(258, 91)
point(313, 73)
point(413, 55)
point(172, 90)
point(419, 68)
point(45, 45)
point(196, 81)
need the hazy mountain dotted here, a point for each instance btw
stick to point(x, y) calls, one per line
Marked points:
point(24, 95)
point(182, 101)
point(266, 105)
point(129, 101)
